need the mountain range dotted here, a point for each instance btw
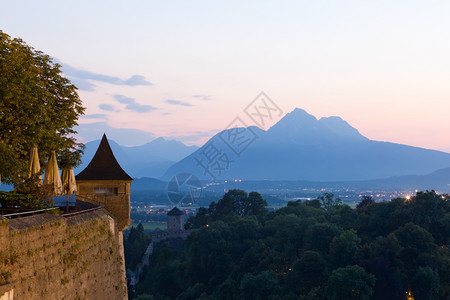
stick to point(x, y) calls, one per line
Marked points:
point(301, 147)
point(298, 147)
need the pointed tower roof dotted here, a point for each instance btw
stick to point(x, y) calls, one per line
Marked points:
point(175, 212)
point(103, 165)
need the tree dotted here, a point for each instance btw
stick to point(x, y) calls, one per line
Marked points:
point(343, 248)
point(230, 203)
point(388, 284)
point(264, 285)
point(417, 245)
point(429, 209)
point(319, 236)
point(135, 244)
point(228, 290)
point(308, 272)
point(328, 202)
point(365, 201)
point(255, 205)
point(239, 203)
point(197, 221)
point(351, 282)
point(426, 283)
point(38, 106)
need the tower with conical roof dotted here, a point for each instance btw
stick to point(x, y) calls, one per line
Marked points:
point(175, 220)
point(103, 182)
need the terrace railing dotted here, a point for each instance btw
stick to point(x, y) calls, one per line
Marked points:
point(28, 213)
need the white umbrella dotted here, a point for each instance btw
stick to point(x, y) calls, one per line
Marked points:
point(52, 176)
point(69, 184)
point(35, 166)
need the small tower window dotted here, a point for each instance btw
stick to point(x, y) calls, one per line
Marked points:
point(106, 191)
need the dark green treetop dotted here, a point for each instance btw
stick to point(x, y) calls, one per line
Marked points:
point(38, 106)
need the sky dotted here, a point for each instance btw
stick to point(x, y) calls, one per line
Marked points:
point(186, 69)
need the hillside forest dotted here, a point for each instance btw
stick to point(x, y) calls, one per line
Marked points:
point(317, 249)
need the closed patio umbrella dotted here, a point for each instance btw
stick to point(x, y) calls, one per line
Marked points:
point(35, 166)
point(69, 184)
point(52, 176)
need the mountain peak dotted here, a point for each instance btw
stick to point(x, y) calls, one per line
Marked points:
point(302, 126)
point(340, 127)
point(296, 120)
point(299, 114)
point(298, 110)
point(158, 140)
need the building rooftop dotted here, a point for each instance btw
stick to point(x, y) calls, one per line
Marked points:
point(175, 212)
point(103, 165)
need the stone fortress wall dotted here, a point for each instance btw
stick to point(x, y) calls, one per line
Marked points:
point(50, 256)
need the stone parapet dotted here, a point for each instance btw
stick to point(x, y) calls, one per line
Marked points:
point(55, 257)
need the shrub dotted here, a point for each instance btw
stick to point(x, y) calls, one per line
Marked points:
point(17, 199)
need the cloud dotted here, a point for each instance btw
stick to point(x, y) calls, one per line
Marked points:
point(123, 136)
point(82, 79)
point(83, 85)
point(132, 105)
point(124, 100)
point(95, 116)
point(137, 80)
point(177, 102)
point(107, 107)
point(202, 97)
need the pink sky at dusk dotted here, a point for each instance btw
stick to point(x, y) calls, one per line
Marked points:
point(185, 70)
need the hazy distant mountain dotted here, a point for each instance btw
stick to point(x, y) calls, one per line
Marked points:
point(300, 147)
point(438, 180)
point(148, 160)
point(148, 184)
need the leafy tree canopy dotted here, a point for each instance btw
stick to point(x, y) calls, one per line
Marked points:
point(328, 201)
point(234, 202)
point(365, 201)
point(426, 283)
point(351, 282)
point(38, 106)
point(301, 251)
